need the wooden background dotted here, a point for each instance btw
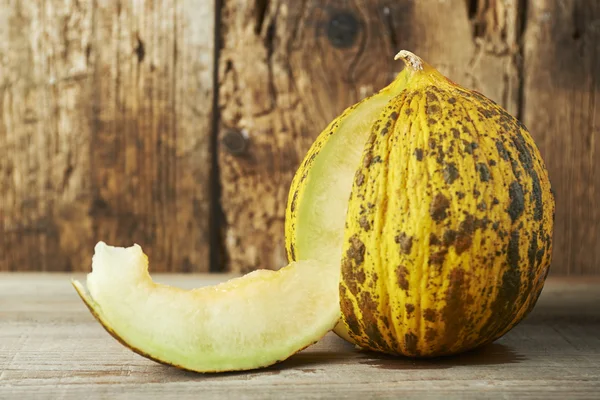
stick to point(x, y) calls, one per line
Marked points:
point(179, 124)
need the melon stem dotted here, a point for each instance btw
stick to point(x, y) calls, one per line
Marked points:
point(411, 60)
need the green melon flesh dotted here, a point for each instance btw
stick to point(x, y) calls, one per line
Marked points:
point(248, 322)
point(322, 210)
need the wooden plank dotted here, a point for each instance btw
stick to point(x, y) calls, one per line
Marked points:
point(286, 69)
point(44, 134)
point(50, 347)
point(562, 110)
point(151, 170)
point(107, 131)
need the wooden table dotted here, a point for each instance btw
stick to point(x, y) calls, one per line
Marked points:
point(51, 347)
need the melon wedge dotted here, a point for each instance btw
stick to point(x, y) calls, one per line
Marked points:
point(248, 322)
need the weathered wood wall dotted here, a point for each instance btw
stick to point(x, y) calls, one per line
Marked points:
point(107, 129)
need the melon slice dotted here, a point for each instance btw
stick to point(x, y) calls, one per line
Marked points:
point(248, 322)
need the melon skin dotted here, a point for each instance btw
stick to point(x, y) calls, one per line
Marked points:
point(448, 236)
point(249, 322)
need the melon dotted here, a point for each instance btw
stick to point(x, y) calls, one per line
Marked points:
point(435, 204)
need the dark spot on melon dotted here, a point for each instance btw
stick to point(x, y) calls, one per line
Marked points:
point(370, 319)
point(527, 162)
point(360, 179)
point(508, 298)
point(432, 109)
point(374, 276)
point(375, 338)
point(431, 97)
point(540, 255)
point(356, 251)
point(455, 132)
point(464, 237)
point(393, 116)
point(532, 252)
point(512, 254)
point(405, 242)
point(440, 157)
point(367, 159)
point(402, 277)
point(462, 243)
point(454, 313)
point(484, 172)
point(349, 316)
point(450, 173)
point(482, 206)
point(431, 143)
point(419, 154)
point(467, 225)
point(430, 334)
point(429, 314)
point(293, 252)
point(449, 237)
point(411, 342)
point(294, 201)
point(431, 121)
point(451, 100)
point(438, 257)
point(495, 201)
point(364, 223)
point(502, 150)
point(486, 112)
point(536, 196)
point(408, 111)
point(354, 277)
point(492, 163)
point(439, 207)
point(476, 193)
point(460, 195)
point(517, 202)
point(384, 131)
point(410, 308)
point(433, 239)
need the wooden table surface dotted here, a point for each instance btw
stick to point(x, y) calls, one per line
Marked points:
point(51, 347)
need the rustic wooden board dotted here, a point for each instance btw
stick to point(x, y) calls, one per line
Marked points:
point(51, 347)
point(562, 109)
point(105, 131)
point(286, 69)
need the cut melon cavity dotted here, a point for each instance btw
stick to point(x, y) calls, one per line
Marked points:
point(248, 322)
point(319, 195)
point(322, 211)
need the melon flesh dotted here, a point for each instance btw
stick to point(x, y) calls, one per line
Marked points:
point(248, 322)
point(321, 214)
point(322, 211)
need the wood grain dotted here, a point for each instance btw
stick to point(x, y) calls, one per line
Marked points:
point(286, 69)
point(562, 109)
point(51, 347)
point(45, 135)
point(105, 124)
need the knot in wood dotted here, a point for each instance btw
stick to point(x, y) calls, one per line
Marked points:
point(342, 29)
point(234, 142)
